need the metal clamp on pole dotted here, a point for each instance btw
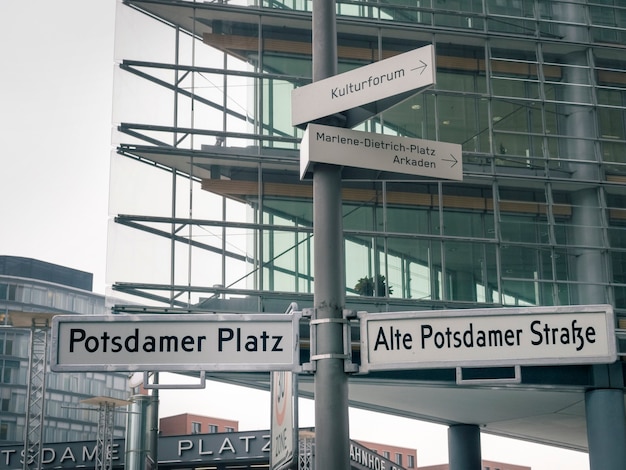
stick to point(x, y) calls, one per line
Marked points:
point(349, 366)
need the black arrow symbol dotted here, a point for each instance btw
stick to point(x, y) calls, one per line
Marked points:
point(453, 160)
point(421, 67)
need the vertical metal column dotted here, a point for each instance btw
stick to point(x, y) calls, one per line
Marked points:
point(104, 439)
point(138, 433)
point(332, 440)
point(154, 423)
point(464, 447)
point(36, 394)
point(606, 429)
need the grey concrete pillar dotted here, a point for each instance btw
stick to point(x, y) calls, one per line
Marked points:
point(464, 447)
point(606, 429)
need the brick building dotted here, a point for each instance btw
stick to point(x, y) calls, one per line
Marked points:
point(486, 465)
point(188, 423)
point(403, 456)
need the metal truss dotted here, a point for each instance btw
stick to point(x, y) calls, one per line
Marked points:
point(104, 439)
point(306, 453)
point(33, 434)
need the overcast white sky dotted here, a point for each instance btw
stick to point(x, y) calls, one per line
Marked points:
point(55, 120)
point(55, 128)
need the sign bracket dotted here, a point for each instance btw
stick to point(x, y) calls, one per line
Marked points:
point(349, 366)
point(515, 379)
point(152, 386)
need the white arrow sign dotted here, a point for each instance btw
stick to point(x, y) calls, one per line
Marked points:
point(377, 81)
point(214, 342)
point(327, 144)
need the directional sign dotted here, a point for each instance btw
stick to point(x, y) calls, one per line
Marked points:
point(327, 144)
point(374, 82)
point(497, 337)
point(209, 342)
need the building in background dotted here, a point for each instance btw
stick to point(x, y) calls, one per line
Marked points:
point(187, 423)
point(403, 456)
point(29, 286)
point(486, 465)
point(210, 214)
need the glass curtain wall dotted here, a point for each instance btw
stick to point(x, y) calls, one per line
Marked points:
point(207, 205)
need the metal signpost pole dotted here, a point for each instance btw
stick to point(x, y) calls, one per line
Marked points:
point(331, 383)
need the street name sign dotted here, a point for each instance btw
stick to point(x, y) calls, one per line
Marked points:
point(386, 78)
point(209, 342)
point(488, 337)
point(327, 144)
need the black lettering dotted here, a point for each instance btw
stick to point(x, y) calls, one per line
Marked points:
point(251, 345)
point(565, 337)
point(91, 344)
point(439, 340)
point(224, 335)
point(407, 341)
point(187, 343)
point(77, 335)
point(277, 340)
point(537, 333)
point(105, 340)
point(468, 336)
point(132, 342)
point(427, 332)
point(577, 335)
point(264, 338)
point(381, 340)
point(481, 339)
point(495, 338)
point(397, 336)
point(169, 343)
point(116, 345)
point(149, 344)
point(457, 339)
point(590, 333)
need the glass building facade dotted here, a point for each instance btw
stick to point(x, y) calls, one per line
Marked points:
point(534, 91)
point(208, 210)
point(27, 287)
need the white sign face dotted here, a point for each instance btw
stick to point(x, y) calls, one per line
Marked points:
point(327, 144)
point(389, 77)
point(283, 429)
point(210, 342)
point(497, 337)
